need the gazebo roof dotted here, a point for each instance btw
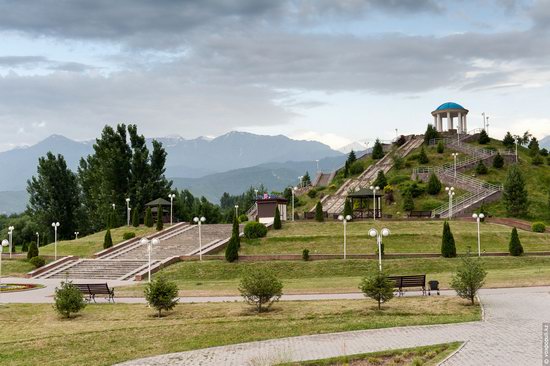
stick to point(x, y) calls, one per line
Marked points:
point(158, 201)
point(364, 193)
point(449, 105)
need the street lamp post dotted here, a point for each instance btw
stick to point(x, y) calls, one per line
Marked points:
point(237, 211)
point(293, 190)
point(171, 196)
point(199, 222)
point(149, 243)
point(10, 236)
point(451, 193)
point(4, 243)
point(55, 225)
point(374, 189)
point(76, 234)
point(114, 206)
point(483, 115)
point(487, 126)
point(378, 235)
point(455, 156)
point(128, 211)
point(344, 220)
point(478, 218)
point(37, 239)
point(317, 161)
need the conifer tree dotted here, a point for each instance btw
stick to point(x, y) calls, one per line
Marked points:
point(160, 223)
point(422, 157)
point(351, 157)
point(319, 216)
point(434, 185)
point(481, 168)
point(380, 180)
point(515, 247)
point(430, 134)
point(448, 248)
point(508, 140)
point(377, 150)
point(483, 138)
point(306, 180)
point(440, 147)
point(148, 221)
point(347, 208)
point(408, 202)
point(533, 146)
point(33, 250)
point(277, 220)
point(108, 241)
point(135, 218)
point(515, 196)
point(498, 161)
point(232, 249)
point(235, 232)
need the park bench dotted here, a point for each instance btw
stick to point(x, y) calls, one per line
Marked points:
point(420, 214)
point(91, 289)
point(402, 282)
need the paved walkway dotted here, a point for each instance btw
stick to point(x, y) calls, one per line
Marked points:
point(511, 334)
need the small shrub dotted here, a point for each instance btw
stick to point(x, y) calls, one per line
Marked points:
point(68, 299)
point(408, 203)
point(537, 160)
point(434, 185)
point(160, 223)
point(232, 249)
point(543, 152)
point(254, 230)
point(483, 138)
point(128, 235)
point(108, 240)
point(440, 147)
point(305, 254)
point(356, 167)
point(37, 261)
point(398, 162)
point(538, 227)
point(25, 247)
point(430, 204)
point(33, 250)
point(277, 225)
point(148, 221)
point(481, 169)
point(498, 161)
point(135, 217)
point(469, 278)
point(319, 214)
point(415, 189)
point(377, 286)
point(395, 180)
point(515, 247)
point(347, 208)
point(423, 157)
point(312, 193)
point(243, 218)
point(448, 247)
point(161, 294)
point(261, 288)
point(380, 180)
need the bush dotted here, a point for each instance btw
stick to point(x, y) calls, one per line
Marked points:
point(148, 221)
point(431, 133)
point(395, 180)
point(469, 278)
point(243, 218)
point(543, 152)
point(515, 247)
point(160, 223)
point(498, 161)
point(161, 294)
point(356, 168)
point(414, 189)
point(401, 140)
point(33, 250)
point(430, 204)
point(440, 147)
point(128, 235)
point(135, 217)
point(448, 247)
point(254, 230)
point(422, 157)
point(261, 288)
point(481, 168)
point(380, 180)
point(305, 254)
point(37, 261)
point(25, 247)
point(408, 203)
point(347, 208)
point(483, 138)
point(277, 225)
point(319, 215)
point(378, 287)
point(434, 185)
point(538, 227)
point(68, 299)
point(398, 162)
point(537, 160)
point(108, 240)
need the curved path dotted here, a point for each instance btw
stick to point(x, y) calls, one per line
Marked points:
point(510, 334)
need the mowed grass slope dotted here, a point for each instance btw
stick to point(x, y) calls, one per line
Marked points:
point(406, 237)
point(110, 333)
point(218, 278)
point(88, 245)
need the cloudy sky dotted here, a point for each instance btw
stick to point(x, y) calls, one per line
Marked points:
point(335, 71)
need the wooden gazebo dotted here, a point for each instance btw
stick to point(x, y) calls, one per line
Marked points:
point(165, 206)
point(362, 202)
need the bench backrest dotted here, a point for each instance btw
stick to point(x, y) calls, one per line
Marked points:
point(413, 281)
point(396, 280)
point(94, 288)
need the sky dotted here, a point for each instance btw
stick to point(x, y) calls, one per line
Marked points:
point(332, 71)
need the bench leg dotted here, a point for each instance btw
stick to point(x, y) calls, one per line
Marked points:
point(93, 298)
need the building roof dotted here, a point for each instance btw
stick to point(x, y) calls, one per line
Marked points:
point(364, 193)
point(270, 198)
point(158, 201)
point(449, 105)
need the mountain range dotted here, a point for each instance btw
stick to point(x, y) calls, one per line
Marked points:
point(545, 142)
point(228, 163)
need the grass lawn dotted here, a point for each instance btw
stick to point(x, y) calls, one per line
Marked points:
point(406, 237)
point(93, 243)
point(109, 333)
point(218, 278)
point(15, 267)
point(425, 356)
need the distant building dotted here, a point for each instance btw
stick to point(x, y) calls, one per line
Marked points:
point(266, 206)
point(165, 207)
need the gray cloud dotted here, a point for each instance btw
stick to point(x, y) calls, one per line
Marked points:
point(16, 61)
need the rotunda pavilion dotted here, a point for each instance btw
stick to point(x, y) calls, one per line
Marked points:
point(450, 111)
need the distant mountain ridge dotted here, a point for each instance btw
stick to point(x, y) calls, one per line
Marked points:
point(545, 142)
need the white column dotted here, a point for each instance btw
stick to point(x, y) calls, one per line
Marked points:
point(435, 123)
point(459, 123)
point(439, 123)
point(449, 121)
point(465, 125)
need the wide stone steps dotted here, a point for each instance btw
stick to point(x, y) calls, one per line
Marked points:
point(108, 269)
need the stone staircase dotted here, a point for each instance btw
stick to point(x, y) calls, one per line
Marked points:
point(125, 261)
point(334, 204)
point(323, 179)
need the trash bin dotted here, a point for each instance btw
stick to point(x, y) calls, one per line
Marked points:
point(434, 286)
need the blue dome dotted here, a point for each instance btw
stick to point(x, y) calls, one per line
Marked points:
point(449, 105)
